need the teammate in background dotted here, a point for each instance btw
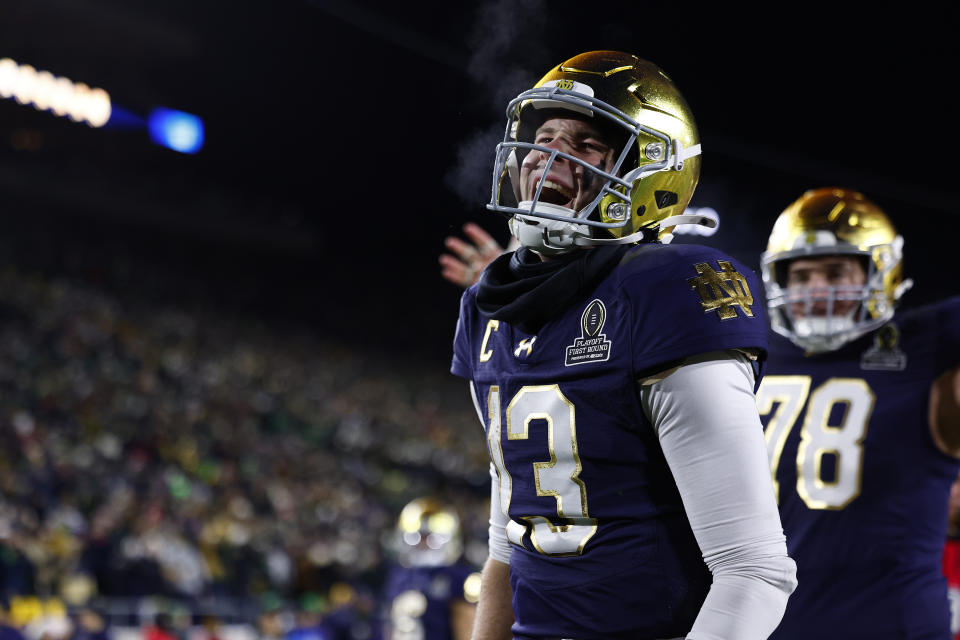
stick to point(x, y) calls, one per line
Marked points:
point(431, 593)
point(861, 413)
point(614, 375)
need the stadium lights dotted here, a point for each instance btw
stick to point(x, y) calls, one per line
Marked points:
point(176, 130)
point(47, 92)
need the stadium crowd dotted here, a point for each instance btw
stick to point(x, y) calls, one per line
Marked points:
point(200, 456)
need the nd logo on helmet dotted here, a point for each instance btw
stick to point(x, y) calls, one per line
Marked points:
point(565, 84)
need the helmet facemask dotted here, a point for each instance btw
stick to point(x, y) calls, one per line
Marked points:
point(823, 223)
point(824, 318)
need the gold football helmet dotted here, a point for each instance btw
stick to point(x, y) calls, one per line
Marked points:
point(428, 534)
point(828, 222)
point(638, 195)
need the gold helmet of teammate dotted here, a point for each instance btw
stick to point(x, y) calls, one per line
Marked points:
point(833, 222)
point(428, 534)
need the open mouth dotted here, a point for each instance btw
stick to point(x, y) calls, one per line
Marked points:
point(556, 193)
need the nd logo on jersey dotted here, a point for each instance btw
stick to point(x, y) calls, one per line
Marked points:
point(723, 291)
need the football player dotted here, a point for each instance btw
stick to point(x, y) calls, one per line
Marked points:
point(860, 408)
point(613, 374)
point(431, 593)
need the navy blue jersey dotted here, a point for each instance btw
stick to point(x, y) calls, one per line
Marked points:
point(601, 544)
point(862, 488)
point(418, 600)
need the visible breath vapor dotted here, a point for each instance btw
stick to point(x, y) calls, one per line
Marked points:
point(507, 59)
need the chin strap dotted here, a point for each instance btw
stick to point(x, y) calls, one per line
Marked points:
point(637, 236)
point(686, 218)
point(680, 154)
point(902, 288)
point(582, 241)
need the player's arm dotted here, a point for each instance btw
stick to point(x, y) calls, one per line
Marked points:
point(945, 412)
point(462, 616)
point(495, 608)
point(494, 615)
point(494, 611)
point(706, 419)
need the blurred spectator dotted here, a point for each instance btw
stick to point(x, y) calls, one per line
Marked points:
point(309, 616)
point(8, 630)
point(52, 623)
point(161, 629)
point(352, 614)
point(89, 625)
point(169, 451)
point(212, 628)
point(270, 623)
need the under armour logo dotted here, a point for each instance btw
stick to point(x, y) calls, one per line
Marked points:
point(723, 291)
point(525, 345)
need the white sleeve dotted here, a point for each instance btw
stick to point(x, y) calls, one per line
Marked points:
point(497, 544)
point(705, 415)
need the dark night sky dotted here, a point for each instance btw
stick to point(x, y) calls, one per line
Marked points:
point(346, 139)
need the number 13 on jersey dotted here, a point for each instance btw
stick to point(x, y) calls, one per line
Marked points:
point(558, 476)
point(819, 436)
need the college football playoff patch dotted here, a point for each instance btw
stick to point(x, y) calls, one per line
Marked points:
point(591, 346)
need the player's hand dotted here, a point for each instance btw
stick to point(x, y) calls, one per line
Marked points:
point(468, 259)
